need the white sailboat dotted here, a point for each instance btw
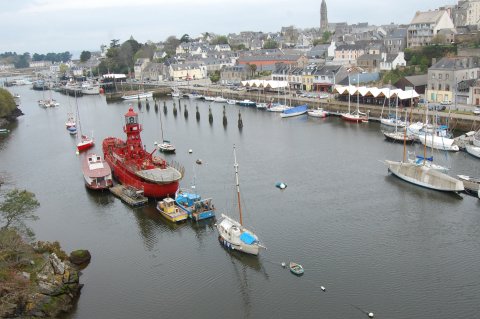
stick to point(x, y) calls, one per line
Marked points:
point(232, 234)
point(165, 146)
point(473, 150)
point(422, 175)
point(355, 116)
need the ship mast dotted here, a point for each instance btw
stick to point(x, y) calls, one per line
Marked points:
point(238, 185)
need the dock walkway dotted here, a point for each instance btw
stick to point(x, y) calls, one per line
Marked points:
point(127, 195)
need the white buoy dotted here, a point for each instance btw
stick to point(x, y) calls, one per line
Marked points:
point(77, 152)
point(323, 288)
point(370, 315)
point(190, 151)
point(284, 265)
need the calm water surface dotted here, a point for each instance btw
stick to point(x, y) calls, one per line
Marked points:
point(376, 243)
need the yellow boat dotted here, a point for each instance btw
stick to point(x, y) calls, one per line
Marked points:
point(170, 211)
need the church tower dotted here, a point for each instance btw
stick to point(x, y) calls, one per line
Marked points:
point(323, 17)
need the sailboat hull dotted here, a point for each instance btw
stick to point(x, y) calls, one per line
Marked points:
point(231, 246)
point(424, 176)
point(232, 236)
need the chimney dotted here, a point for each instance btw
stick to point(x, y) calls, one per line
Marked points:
point(434, 60)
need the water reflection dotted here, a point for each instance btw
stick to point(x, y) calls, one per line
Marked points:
point(100, 198)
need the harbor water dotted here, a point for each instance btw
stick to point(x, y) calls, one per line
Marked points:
point(376, 243)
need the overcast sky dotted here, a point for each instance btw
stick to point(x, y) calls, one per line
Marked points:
point(42, 26)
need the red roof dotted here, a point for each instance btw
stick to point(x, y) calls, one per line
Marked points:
point(130, 112)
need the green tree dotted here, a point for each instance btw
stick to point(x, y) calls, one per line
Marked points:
point(114, 43)
point(7, 103)
point(239, 47)
point(251, 68)
point(220, 40)
point(185, 38)
point(270, 44)
point(18, 207)
point(326, 36)
point(85, 56)
point(215, 76)
point(171, 44)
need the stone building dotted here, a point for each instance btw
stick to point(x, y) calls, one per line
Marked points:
point(323, 17)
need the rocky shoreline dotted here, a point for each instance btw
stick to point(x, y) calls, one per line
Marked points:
point(4, 121)
point(44, 283)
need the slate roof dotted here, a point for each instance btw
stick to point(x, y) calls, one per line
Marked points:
point(418, 80)
point(427, 17)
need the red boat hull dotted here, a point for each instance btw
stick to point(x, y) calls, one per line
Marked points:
point(84, 147)
point(354, 119)
point(149, 189)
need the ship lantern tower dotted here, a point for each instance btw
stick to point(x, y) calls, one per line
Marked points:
point(132, 128)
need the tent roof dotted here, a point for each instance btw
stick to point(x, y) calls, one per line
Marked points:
point(375, 92)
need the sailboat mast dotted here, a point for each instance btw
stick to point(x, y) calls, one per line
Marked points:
point(425, 132)
point(238, 186)
point(358, 92)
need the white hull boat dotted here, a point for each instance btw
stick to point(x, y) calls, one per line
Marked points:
point(439, 143)
point(318, 113)
point(423, 176)
point(473, 150)
point(140, 96)
point(393, 122)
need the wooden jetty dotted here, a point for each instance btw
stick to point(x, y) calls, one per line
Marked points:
point(129, 195)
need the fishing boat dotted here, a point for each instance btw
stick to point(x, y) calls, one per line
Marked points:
point(90, 88)
point(193, 204)
point(247, 103)
point(295, 111)
point(319, 112)
point(96, 172)
point(296, 269)
point(143, 95)
point(473, 150)
point(232, 234)
point(170, 211)
point(133, 166)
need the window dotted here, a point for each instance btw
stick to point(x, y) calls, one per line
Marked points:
point(447, 87)
point(433, 75)
point(447, 76)
point(439, 86)
point(440, 76)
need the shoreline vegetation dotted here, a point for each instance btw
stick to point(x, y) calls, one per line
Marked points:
point(38, 279)
point(8, 108)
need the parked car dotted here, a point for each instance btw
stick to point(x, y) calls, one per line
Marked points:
point(436, 107)
point(446, 102)
point(476, 111)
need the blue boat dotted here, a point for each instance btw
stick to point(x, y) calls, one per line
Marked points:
point(196, 207)
point(72, 130)
point(295, 111)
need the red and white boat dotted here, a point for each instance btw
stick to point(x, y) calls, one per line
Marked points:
point(96, 172)
point(133, 166)
point(85, 143)
point(356, 116)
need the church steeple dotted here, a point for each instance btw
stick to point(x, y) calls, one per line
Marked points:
point(323, 17)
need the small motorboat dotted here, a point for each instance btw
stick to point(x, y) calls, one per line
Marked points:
point(281, 185)
point(296, 269)
point(198, 161)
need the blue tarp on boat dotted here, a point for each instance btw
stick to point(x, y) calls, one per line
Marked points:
point(247, 238)
point(296, 109)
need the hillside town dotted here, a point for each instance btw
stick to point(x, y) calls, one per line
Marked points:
point(315, 59)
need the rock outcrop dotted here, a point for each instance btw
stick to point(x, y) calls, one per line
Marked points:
point(50, 289)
